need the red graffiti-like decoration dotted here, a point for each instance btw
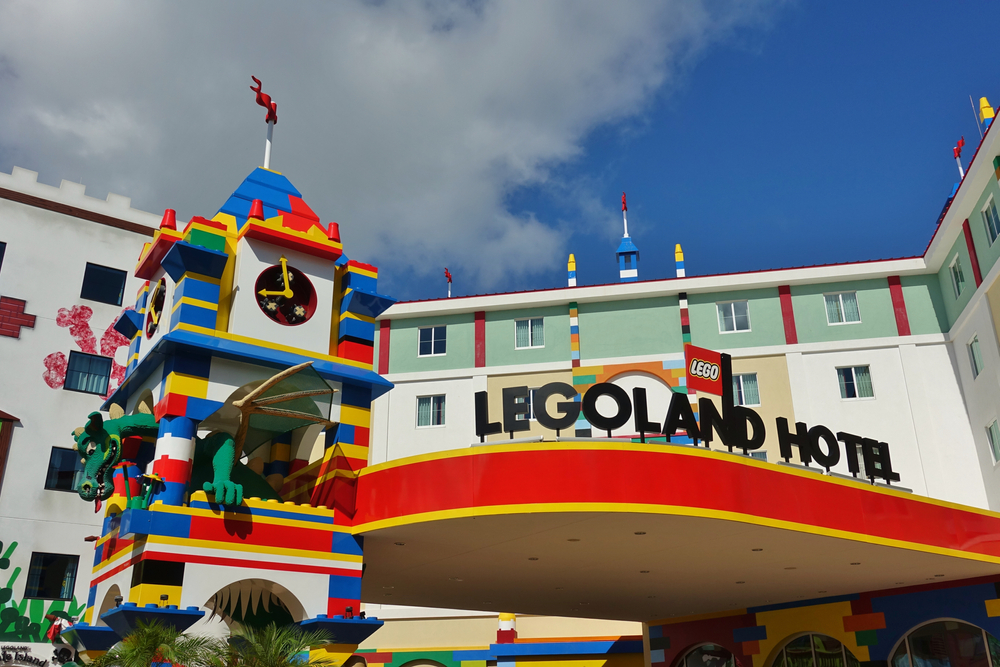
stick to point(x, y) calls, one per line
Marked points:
point(77, 320)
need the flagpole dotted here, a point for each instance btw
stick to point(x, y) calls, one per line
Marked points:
point(267, 145)
point(975, 114)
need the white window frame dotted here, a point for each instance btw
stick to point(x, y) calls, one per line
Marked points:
point(743, 391)
point(853, 375)
point(994, 446)
point(531, 333)
point(840, 297)
point(990, 203)
point(976, 369)
point(718, 315)
point(444, 410)
point(431, 328)
point(957, 262)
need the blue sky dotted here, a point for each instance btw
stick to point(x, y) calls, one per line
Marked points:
point(495, 137)
point(824, 138)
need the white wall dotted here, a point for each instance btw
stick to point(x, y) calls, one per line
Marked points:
point(44, 264)
point(395, 434)
point(916, 409)
point(982, 393)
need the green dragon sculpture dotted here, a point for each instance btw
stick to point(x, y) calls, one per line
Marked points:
point(214, 468)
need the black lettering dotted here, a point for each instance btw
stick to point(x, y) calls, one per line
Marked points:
point(570, 409)
point(680, 416)
point(596, 419)
point(829, 458)
point(512, 408)
point(800, 439)
point(877, 463)
point(738, 419)
point(712, 420)
point(483, 425)
point(851, 444)
point(641, 410)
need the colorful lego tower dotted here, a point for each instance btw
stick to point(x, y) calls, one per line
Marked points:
point(229, 305)
point(628, 254)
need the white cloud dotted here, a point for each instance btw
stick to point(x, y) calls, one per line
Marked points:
point(408, 122)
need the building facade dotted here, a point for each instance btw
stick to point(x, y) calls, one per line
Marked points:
point(901, 352)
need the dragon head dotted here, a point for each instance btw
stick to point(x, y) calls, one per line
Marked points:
point(100, 451)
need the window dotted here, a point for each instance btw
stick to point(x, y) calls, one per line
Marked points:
point(51, 576)
point(815, 651)
point(3, 248)
point(430, 411)
point(707, 655)
point(734, 316)
point(759, 455)
point(104, 284)
point(947, 643)
point(975, 357)
point(992, 221)
point(529, 333)
point(855, 382)
point(432, 341)
point(65, 470)
point(842, 308)
point(745, 389)
point(530, 400)
point(957, 277)
point(993, 435)
point(88, 373)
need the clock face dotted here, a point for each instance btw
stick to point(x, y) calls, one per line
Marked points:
point(285, 294)
point(155, 310)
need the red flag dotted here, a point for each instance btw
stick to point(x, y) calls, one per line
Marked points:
point(447, 274)
point(957, 150)
point(624, 207)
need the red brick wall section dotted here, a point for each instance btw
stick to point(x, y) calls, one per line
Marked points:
point(13, 317)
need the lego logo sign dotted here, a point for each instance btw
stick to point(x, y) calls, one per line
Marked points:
point(704, 370)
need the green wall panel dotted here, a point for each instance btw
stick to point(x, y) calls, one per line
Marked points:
point(630, 328)
point(953, 306)
point(878, 319)
point(461, 338)
point(924, 305)
point(988, 254)
point(766, 326)
point(500, 350)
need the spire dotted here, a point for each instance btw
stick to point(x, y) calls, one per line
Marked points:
point(571, 271)
point(628, 254)
point(679, 258)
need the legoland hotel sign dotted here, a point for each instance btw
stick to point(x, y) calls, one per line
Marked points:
point(737, 427)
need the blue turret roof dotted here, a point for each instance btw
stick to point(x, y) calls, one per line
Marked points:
point(627, 246)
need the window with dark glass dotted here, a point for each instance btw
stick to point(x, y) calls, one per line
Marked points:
point(51, 576)
point(707, 655)
point(947, 644)
point(104, 284)
point(815, 651)
point(3, 248)
point(65, 470)
point(432, 341)
point(88, 373)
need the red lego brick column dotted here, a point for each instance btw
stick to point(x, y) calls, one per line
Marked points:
point(13, 317)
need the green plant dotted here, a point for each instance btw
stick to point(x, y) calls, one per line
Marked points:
point(157, 643)
point(273, 646)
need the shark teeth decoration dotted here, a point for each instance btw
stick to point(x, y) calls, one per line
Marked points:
point(236, 598)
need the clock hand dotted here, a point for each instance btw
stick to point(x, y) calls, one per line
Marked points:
point(287, 292)
point(284, 274)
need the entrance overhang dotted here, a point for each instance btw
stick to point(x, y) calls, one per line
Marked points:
point(639, 532)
